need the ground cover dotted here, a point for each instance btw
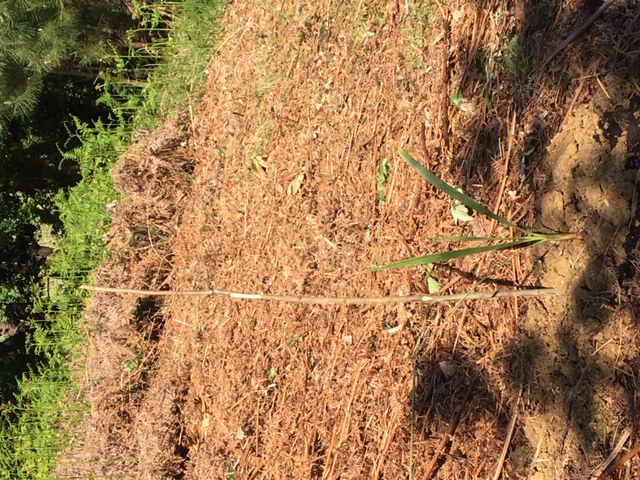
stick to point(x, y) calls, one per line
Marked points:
point(286, 179)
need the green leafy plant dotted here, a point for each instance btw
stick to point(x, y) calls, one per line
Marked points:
point(516, 59)
point(461, 102)
point(131, 364)
point(527, 239)
point(381, 181)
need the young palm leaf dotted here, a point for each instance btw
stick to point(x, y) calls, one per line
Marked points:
point(495, 243)
point(455, 193)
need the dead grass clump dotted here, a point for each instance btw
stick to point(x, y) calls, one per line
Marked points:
point(124, 332)
point(286, 200)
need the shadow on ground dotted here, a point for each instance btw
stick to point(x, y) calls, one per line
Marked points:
point(574, 363)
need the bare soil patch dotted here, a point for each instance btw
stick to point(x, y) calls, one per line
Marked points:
point(274, 187)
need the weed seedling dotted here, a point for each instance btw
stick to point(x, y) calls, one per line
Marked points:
point(381, 181)
point(527, 239)
point(463, 104)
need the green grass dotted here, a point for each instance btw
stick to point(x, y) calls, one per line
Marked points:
point(39, 422)
point(516, 59)
point(381, 181)
point(421, 16)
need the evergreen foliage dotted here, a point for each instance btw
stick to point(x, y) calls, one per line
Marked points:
point(39, 37)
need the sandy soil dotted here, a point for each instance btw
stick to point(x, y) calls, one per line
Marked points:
point(274, 186)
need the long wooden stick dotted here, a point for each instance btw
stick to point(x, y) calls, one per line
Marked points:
point(539, 292)
point(625, 458)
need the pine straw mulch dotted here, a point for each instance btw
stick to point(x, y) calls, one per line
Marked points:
point(272, 187)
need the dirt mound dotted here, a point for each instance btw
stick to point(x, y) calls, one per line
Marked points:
point(288, 181)
point(582, 346)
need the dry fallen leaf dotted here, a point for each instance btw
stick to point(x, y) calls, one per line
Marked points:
point(296, 183)
point(259, 165)
point(459, 211)
point(204, 426)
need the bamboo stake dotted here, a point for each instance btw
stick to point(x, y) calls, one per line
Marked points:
point(538, 292)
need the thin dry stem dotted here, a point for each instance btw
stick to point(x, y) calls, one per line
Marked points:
point(446, 439)
point(624, 459)
point(599, 471)
point(576, 33)
point(536, 292)
point(507, 442)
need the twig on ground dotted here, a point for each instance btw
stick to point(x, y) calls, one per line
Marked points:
point(505, 176)
point(624, 459)
point(535, 292)
point(444, 441)
point(598, 473)
point(576, 33)
point(592, 68)
point(507, 442)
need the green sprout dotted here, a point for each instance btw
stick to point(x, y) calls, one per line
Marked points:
point(527, 239)
point(381, 182)
point(463, 104)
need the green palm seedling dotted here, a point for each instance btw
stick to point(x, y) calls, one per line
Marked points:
point(528, 238)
